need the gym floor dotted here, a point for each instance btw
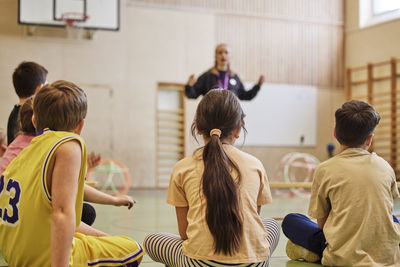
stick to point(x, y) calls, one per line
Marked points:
point(152, 214)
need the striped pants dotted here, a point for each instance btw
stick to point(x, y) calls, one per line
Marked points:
point(167, 248)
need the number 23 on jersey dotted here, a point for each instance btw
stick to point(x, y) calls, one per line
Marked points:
point(10, 215)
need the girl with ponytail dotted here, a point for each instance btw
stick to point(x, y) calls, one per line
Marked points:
point(217, 193)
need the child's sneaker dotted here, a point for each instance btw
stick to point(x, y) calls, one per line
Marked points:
point(296, 252)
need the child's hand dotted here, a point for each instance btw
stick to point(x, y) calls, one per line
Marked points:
point(3, 149)
point(124, 200)
point(93, 160)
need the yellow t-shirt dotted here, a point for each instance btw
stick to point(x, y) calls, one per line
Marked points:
point(355, 190)
point(185, 191)
point(25, 201)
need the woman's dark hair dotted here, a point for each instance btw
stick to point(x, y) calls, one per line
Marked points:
point(25, 118)
point(220, 109)
point(355, 121)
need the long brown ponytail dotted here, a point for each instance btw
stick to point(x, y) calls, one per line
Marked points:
point(220, 109)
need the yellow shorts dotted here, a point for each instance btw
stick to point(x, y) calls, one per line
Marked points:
point(104, 251)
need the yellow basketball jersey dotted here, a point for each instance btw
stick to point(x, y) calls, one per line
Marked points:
point(25, 201)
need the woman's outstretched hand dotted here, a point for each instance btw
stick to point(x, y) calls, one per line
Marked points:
point(260, 80)
point(191, 80)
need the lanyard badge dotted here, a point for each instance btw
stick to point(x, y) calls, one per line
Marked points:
point(226, 80)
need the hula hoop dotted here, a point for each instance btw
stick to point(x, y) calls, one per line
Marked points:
point(111, 167)
point(310, 162)
point(286, 173)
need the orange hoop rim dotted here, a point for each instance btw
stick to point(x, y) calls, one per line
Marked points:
point(71, 17)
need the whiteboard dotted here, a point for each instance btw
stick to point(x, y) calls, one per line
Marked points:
point(280, 115)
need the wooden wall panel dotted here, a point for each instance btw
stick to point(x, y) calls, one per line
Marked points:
point(284, 51)
point(295, 42)
point(326, 11)
point(377, 83)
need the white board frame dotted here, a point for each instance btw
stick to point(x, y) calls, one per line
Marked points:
point(280, 115)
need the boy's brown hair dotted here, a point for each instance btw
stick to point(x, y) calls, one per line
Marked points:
point(355, 121)
point(59, 106)
point(25, 118)
point(27, 77)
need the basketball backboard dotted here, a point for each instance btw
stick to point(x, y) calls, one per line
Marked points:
point(101, 14)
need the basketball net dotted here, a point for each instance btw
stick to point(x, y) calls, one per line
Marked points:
point(71, 19)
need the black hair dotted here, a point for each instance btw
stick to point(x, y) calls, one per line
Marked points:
point(27, 77)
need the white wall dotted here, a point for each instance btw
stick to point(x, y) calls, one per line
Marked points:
point(165, 45)
point(124, 66)
point(371, 44)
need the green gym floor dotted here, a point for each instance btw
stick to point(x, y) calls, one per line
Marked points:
point(152, 214)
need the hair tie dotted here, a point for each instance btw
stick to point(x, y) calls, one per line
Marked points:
point(215, 132)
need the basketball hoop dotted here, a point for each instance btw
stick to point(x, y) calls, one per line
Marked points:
point(70, 19)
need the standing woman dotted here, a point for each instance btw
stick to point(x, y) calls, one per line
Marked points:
point(221, 76)
point(217, 193)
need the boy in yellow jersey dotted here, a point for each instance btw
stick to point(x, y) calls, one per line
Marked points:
point(41, 193)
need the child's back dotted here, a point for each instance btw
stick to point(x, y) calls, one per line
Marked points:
point(24, 137)
point(254, 188)
point(217, 193)
point(351, 198)
point(360, 187)
point(28, 78)
point(30, 201)
point(43, 192)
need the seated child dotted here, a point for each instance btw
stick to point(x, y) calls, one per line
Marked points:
point(28, 78)
point(43, 193)
point(352, 199)
point(27, 132)
point(23, 139)
point(217, 193)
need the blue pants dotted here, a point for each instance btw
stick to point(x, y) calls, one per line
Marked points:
point(303, 232)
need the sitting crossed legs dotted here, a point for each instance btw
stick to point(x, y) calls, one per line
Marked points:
point(306, 239)
point(167, 248)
